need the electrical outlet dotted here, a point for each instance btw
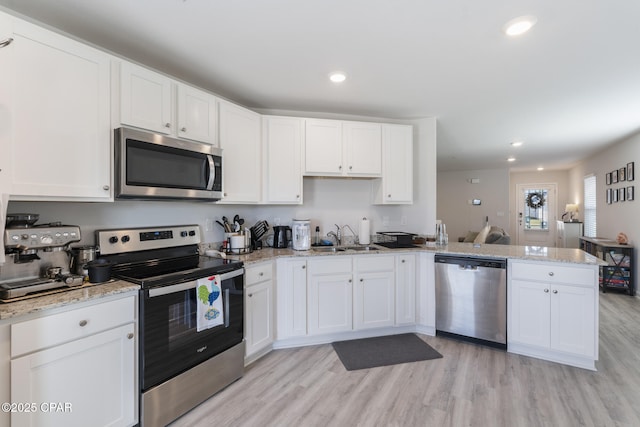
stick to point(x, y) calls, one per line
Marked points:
point(276, 221)
point(385, 221)
point(208, 226)
point(403, 220)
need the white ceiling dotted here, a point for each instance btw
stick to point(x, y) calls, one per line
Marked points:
point(567, 88)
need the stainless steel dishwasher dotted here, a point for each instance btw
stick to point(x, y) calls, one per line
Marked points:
point(471, 299)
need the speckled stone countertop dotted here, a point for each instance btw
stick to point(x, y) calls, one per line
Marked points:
point(84, 293)
point(530, 253)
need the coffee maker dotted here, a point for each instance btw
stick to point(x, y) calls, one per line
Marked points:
point(301, 234)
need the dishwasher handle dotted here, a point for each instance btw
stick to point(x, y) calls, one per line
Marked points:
point(471, 261)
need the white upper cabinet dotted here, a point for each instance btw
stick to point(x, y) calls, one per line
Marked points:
point(240, 141)
point(56, 132)
point(362, 148)
point(282, 146)
point(147, 101)
point(341, 148)
point(396, 184)
point(196, 114)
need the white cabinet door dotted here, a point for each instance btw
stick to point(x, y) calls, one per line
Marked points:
point(60, 106)
point(145, 99)
point(573, 319)
point(7, 71)
point(396, 185)
point(323, 147)
point(330, 303)
point(405, 289)
point(291, 298)
point(196, 114)
point(240, 140)
point(259, 316)
point(92, 379)
point(362, 149)
point(530, 314)
point(373, 305)
point(282, 142)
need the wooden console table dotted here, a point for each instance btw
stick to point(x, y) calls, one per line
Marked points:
point(620, 273)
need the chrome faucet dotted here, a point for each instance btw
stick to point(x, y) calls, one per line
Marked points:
point(355, 236)
point(337, 235)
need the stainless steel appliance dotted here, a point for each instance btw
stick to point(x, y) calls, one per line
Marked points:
point(301, 234)
point(37, 258)
point(179, 366)
point(471, 299)
point(151, 166)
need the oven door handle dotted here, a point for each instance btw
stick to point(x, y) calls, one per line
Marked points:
point(227, 308)
point(165, 290)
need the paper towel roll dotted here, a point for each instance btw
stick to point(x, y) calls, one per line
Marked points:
point(364, 236)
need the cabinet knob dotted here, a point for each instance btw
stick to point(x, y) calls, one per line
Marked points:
point(6, 42)
point(130, 335)
point(388, 195)
point(362, 280)
point(183, 129)
point(350, 167)
point(304, 266)
point(546, 291)
point(350, 280)
point(403, 261)
point(340, 167)
point(167, 125)
point(261, 274)
point(555, 291)
point(83, 323)
point(105, 187)
point(297, 196)
point(551, 273)
point(250, 295)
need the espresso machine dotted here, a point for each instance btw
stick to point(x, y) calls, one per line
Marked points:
point(37, 257)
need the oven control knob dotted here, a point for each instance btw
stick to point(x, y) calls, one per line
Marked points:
point(192, 233)
point(125, 239)
point(183, 234)
point(113, 239)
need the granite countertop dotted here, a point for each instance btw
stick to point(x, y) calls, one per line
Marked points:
point(530, 253)
point(84, 293)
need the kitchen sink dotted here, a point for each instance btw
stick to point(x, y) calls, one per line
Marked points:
point(360, 248)
point(327, 249)
point(355, 248)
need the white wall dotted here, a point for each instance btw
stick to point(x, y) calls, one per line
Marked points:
point(616, 217)
point(455, 192)
point(326, 202)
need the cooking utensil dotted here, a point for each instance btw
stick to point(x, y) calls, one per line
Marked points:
point(21, 220)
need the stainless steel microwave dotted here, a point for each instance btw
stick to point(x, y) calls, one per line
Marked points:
point(152, 166)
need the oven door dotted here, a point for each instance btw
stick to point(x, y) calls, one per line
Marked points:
point(170, 341)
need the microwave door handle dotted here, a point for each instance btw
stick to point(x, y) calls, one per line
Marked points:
point(212, 172)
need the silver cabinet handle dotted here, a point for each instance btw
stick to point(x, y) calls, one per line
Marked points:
point(551, 273)
point(350, 280)
point(350, 167)
point(555, 291)
point(250, 295)
point(130, 335)
point(388, 195)
point(403, 261)
point(167, 125)
point(304, 266)
point(183, 129)
point(261, 274)
point(105, 187)
point(362, 280)
point(297, 196)
point(6, 42)
point(83, 323)
point(546, 291)
point(340, 167)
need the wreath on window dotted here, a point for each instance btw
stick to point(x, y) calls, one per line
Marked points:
point(535, 200)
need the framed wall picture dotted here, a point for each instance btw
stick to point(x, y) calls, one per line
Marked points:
point(609, 196)
point(630, 194)
point(608, 178)
point(614, 176)
point(622, 172)
point(630, 171)
point(622, 194)
point(614, 196)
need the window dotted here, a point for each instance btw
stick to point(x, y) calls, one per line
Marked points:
point(590, 206)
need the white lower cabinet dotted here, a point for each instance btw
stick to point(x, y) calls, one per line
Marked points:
point(405, 298)
point(330, 295)
point(373, 292)
point(291, 298)
point(77, 368)
point(259, 333)
point(553, 312)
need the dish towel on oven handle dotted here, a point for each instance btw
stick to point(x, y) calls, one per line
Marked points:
point(209, 301)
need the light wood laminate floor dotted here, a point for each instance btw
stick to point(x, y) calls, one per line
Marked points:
point(470, 386)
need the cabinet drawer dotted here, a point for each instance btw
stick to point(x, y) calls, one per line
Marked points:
point(332, 265)
point(374, 263)
point(55, 329)
point(258, 273)
point(554, 273)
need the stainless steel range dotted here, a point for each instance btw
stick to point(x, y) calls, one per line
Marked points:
point(182, 361)
point(37, 258)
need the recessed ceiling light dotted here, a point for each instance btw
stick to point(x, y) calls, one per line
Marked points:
point(516, 143)
point(540, 168)
point(511, 159)
point(337, 77)
point(519, 25)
